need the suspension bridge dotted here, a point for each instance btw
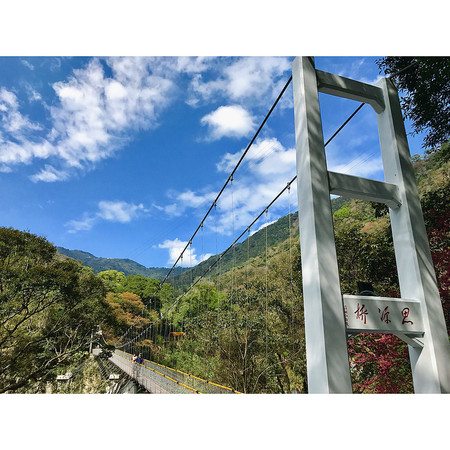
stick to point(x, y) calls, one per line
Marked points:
point(217, 312)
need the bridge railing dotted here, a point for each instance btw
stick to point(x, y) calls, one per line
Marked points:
point(152, 380)
point(181, 379)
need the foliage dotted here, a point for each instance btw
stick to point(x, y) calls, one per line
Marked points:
point(114, 281)
point(127, 309)
point(437, 220)
point(239, 340)
point(226, 338)
point(364, 248)
point(145, 288)
point(203, 297)
point(425, 89)
point(49, 307)
point(380, 364)
point(243, 326)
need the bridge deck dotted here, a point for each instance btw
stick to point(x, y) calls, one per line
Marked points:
point(152, 381)
point(157, 378)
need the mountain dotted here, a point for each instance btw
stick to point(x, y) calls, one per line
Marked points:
point(127, 266)
point(252, 247)
point(276, 233)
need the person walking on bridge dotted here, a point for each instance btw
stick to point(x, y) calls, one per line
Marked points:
point(140, 359)
point(134, 366)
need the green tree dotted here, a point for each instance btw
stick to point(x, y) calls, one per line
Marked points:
point(424, 83)
point(136, 284)
point(49, 306)
point(148, 290)
point(114, 281)
point(252, 339)
point(127, 309)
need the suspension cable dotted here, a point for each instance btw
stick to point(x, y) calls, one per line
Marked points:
point(230, 177)
point(254, 221)
point(291, 281)
point(267, 280)
point(345, 123)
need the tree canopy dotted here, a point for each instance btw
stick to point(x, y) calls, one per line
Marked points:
point(424, 83)
point(49, 307)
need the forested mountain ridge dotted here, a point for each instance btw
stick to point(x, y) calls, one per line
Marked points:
point(249, 248)
point(127, 266)
point(276, 232)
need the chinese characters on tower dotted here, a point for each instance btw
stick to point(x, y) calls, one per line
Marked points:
point(384, 314)
point(361, 313)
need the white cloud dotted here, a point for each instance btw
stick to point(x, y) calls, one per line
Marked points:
point(176, 246)
point(91, 119)
point(33, 95)
point(187, 199)
point(49, 174)
point(122, 212)
point(249, 198)
point(191, 199)
point(111, 211)
point(27, 64)
point(267, 168)
point(95, 111)
point(84, 224)
point(189, 64)
point(14, 123)
point(266, 159)
point(228, 121)
point(251, 78)
point(254, 76)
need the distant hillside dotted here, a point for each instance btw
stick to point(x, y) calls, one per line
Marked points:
point(276, 233)
point(127, 266)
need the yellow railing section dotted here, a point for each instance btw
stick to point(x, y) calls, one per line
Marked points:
point(201, 380)
point(162, 374)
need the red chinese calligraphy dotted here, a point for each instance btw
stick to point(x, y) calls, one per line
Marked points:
point(346, 315)
point(361, 313)
point(405, 314)
point(384, 315)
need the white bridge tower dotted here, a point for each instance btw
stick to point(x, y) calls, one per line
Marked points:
point(417, 316)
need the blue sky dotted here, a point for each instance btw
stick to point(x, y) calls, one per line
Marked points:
point(121, 157)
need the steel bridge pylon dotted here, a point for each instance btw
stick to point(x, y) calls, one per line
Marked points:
point(329, 315)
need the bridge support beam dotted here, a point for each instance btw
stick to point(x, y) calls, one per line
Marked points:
point(326, 340)
point(430, 363)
